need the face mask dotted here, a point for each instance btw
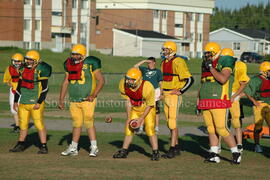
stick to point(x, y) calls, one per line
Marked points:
point(207, 56)
point(130, 85)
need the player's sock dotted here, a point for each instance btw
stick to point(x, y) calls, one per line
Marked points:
point(93, 143)
point(234, 149)
point(214, 149)
point(74, 144)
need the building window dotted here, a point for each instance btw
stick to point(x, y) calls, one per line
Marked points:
point(26, 45)
point(200, 37)
point(74, 3)
point(83, 27)
point(178, 25)
point(73, 30)
point(37, 45)
point(192, 36)
point(236, 46)
point(164, 15)
point(200, 17)
point(28, 2)
point(37, 25)
point(156, 13)
point(37, 2)
point(26, 24)
point(56, 13)
point(84, 4)
point(98, 32)
point(192, 17)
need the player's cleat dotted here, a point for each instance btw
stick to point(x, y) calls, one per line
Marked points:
point(43, 149)
point(71, 151)
point(177, 150)
point(240, 148)
point(170, 154)
point(122, 153)
point(258, 148)
point(155, 155)
point(212, 158)
point(19, 147)
point(236, 158)
point(93, 151)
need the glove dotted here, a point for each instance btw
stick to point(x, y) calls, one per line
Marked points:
point(208, 64)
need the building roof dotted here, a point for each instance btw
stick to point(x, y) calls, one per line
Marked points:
point(253, 33)
point(148, 34)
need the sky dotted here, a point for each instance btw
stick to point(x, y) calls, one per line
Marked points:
point(236, 4)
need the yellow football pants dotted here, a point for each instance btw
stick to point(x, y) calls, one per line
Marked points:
point(171, 108)
point(235, 113)
point(261, 113)
point(25, 111)
point(149, 121)
point(82, 113)
point(215, 120)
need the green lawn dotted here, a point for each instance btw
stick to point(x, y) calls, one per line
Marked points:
point(29, 165)
point(110, 64)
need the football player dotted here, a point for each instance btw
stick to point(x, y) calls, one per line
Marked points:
point(214, 100)
point(29, 99)
point(176, 81)
point(11, 78)
point(153, 75)
point(80, 81)
point(258, 91)
point(240, 81)
point(140, 106)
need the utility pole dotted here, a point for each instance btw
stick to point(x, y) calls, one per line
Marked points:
point(64, 23)
point(88, 28)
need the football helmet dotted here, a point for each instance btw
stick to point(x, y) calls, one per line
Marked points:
point(169, 49)
point(227, 52)
point(31, 58)
point(78, 52)
point(133, 77)
point(17, 59)
point(265, 69)
point(211, 51)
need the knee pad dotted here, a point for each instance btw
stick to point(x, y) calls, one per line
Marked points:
point(77, 124)
point(39, 124)
point(223, 132)
point(172, 124)
point(236, 123)
point(211, 129)
point(88, 121)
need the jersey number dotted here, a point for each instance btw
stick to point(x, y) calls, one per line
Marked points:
point(82, 81)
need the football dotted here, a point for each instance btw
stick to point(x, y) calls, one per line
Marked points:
point(134, 124)
point(108, 119)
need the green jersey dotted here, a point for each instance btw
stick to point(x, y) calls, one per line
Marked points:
point(254, 87)
point(212, 93)
point(152, 75)
point(80, 89)
point(30, 96)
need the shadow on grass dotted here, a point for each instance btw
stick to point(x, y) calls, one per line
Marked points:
point(132, 147)
point(84, 141)
point(249, 146)
point(33, 140)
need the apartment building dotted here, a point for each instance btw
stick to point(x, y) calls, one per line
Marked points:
point(46, 24)
point(187, 20)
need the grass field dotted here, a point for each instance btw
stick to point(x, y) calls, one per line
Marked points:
point(29, 165)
